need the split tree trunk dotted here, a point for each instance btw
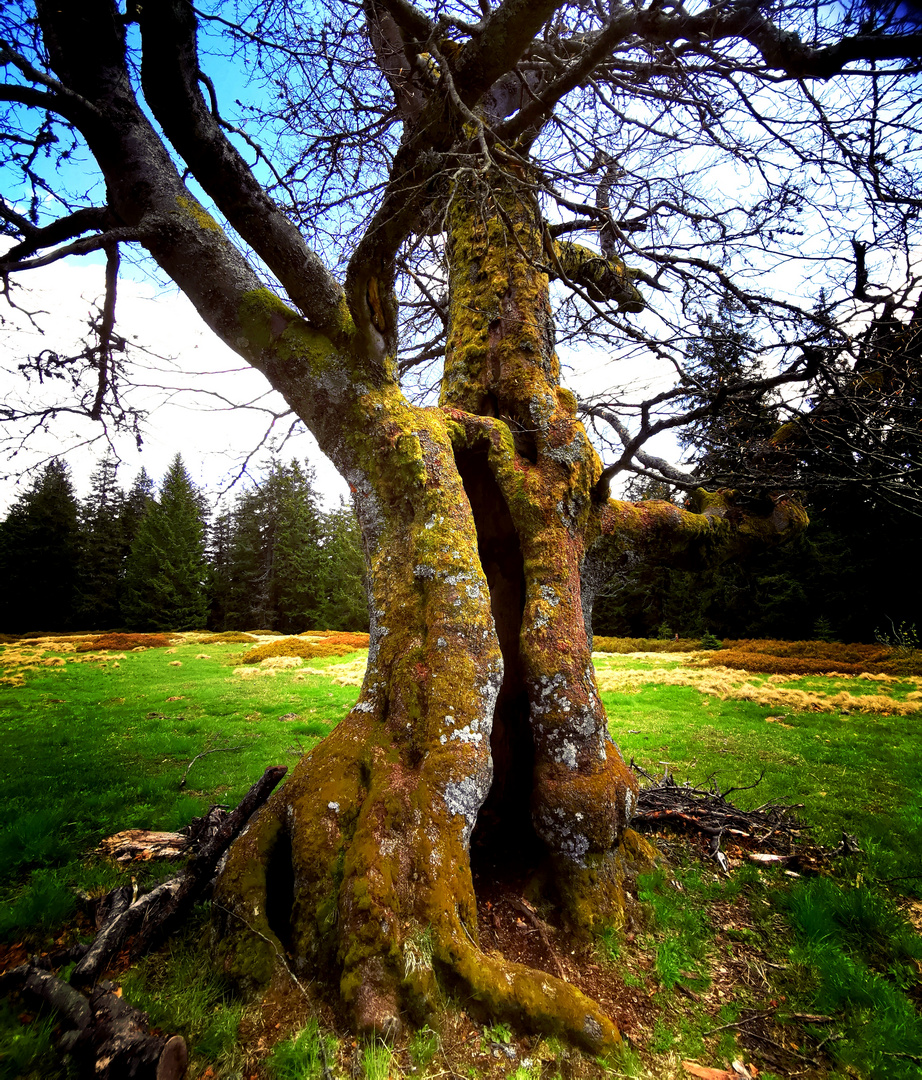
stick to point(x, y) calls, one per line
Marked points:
point(483, 527)
point(479, 727)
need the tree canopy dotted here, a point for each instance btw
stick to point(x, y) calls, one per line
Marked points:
point(766, 154)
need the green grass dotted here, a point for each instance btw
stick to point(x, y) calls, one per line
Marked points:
point(91, 749)
point(182, 995)
point(107, 747)
point(857, 772)
point(304, 1056)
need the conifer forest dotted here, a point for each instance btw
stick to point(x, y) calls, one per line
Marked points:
point(154, 557)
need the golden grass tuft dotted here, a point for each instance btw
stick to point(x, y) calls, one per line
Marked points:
point(735, 684)
point(301, 647)
point(354, 639)
point(228, 637)
point(816, 658)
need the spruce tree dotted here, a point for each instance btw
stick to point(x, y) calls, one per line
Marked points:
point(103, 548)
point(39, 555)
point(165, 574)
point(723, 366)
point(345, 601)
point(135, 505)
point(274, 564)
point(220, 580)
point(296, 587)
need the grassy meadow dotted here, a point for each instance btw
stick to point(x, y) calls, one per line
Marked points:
point(816, 975)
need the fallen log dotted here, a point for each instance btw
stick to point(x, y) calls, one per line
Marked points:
point(107, 1038)
point(120, 1047)
point(140, 845)
point(152, 914)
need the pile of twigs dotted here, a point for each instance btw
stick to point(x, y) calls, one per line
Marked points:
point(769, 833)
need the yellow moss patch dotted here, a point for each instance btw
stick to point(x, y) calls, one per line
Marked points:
point(202, 218)
point(229, 637)
point(303, 648)
point(350, 674)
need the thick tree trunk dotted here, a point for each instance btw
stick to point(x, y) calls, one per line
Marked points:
point(479, 716)
point(479, 709)
point(479, 732)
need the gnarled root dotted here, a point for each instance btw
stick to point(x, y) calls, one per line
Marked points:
point(358, 870)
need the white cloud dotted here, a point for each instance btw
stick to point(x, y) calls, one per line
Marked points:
point(188, 381)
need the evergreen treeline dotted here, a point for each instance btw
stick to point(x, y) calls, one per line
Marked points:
point(848, 577)
point(854, 572)
point(275, 560)
point(146, 561)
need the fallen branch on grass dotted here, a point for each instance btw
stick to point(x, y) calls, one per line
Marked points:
point(772, 829)
point(107, 1038)
point(152, 914)
point(139, 845)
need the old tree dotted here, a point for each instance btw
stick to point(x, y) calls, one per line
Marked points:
point(389, 231)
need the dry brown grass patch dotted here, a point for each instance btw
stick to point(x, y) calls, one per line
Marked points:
point(125, 641)
point(735, 684)
point(305, 648)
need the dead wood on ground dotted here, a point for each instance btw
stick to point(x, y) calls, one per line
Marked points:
point(771, 834)
point(108, 1038)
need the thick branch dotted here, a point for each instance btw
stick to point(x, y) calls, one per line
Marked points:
point(603, 278)
point(170, 75)
point(507, 34)
point(90, 218)
point(717, 529)
point(159, 907)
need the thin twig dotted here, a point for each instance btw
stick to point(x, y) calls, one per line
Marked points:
point(278, 952)
point(204, 753)
point(738, 1023)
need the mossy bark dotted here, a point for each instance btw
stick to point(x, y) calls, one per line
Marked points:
point(479, 732)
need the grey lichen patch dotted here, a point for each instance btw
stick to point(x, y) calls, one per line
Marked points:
point(465, 797)
point(592, 1029)
point(563, 833)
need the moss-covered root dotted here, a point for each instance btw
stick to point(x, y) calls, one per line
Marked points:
point(596, 893)
point(243, 942)
point(532, 1000)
